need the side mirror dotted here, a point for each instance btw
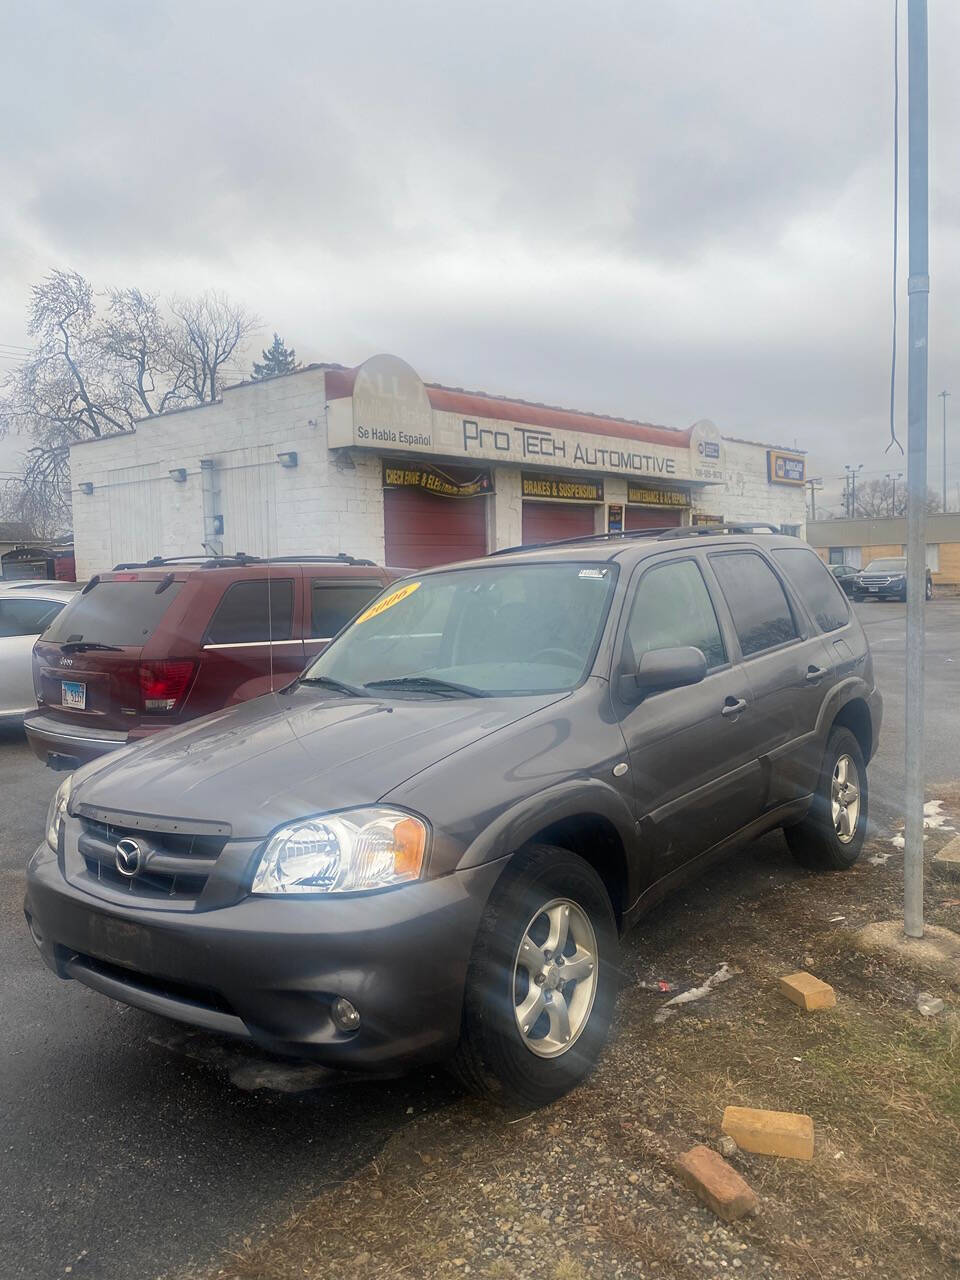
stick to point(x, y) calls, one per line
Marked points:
point(664, 669)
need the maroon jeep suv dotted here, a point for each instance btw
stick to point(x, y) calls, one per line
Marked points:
point(149, 646)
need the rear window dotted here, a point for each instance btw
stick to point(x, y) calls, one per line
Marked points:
point(254, 612)
point(124, 613)
point(816, 587)
point(332, 605)
point(761, 613)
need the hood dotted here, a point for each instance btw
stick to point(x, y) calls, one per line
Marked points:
point(283, 756)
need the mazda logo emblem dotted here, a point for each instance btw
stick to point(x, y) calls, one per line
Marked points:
point(129, 857)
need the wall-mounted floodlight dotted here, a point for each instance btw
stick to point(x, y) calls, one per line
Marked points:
point(288, 459)
point(178, 474)
point(85, 487)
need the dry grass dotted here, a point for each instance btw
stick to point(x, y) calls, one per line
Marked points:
point(465, 1187)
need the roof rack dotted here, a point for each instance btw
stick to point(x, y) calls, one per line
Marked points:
point(708, 530)
point(587, 537)
point(661, 532)
point(241, 558)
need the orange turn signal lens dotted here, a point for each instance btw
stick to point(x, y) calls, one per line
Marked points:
point(409, 842)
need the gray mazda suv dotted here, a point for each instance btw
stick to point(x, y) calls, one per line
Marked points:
point(428, 846)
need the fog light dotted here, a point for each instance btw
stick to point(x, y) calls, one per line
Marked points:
point(345, 1015)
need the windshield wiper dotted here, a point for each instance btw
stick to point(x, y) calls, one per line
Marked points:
point(428, 684)
point(328, 682)
point(82, 646)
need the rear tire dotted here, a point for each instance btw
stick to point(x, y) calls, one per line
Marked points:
point(831, 836)
point(518, 1008)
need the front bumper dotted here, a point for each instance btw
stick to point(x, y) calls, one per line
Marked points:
point(269, 969)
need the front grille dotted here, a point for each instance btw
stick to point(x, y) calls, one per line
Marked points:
point(184, 992)
point(174, 865)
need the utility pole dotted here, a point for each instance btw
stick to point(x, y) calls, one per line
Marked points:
point(918, 293)
point(943, 397)
point(813, 486)
point(852, 490)
point(893, 490)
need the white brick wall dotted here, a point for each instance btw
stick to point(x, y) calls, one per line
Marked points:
point(329, 502)
point(320, 507)
point(748, 495)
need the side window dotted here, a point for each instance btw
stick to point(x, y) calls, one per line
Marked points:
point(27, 617)
point(816, 586)
point(253, 612)
point(673, 607)
point(761, 612)
point(333, 604)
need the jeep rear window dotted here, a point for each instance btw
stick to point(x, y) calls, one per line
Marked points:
point(122, 613)
point(253, 612)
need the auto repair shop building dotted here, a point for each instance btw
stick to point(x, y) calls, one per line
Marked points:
point(374, 462)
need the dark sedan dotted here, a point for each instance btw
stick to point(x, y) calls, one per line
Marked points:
point(845, 575)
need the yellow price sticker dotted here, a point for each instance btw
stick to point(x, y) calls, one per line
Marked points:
point(387, 602)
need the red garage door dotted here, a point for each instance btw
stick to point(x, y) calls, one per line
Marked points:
point(550, 521)
point(651, 518)
point(421, 529)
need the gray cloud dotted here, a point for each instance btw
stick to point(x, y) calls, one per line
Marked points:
point(665, 211)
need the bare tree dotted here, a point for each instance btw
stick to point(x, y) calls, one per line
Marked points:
point(37, 506)
point(146, 349)
point(876, 499)
point(89, 377)
point(212, 332)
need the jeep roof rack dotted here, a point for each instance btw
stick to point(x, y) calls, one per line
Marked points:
point(660, 532)
point(240, 558)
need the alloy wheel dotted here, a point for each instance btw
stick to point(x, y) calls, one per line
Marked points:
point(845, 799)
point(555, 977)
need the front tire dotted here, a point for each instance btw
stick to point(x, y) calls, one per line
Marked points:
point(541, 984)
point(831, 836)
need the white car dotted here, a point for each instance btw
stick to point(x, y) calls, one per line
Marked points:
point(26, 610)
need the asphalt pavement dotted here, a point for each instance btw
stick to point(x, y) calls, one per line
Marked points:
point(131, 1149)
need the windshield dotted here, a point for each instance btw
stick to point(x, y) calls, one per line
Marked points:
point(895, 564)
point(506, 629)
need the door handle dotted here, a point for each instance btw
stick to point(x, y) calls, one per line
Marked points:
point(733, 706)
point(814, 674)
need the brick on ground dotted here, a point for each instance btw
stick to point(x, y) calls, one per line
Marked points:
point(807, 991)
point(770, 1133)
point(716, 1183)
point(948, 858)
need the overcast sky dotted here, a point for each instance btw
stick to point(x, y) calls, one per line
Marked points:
point(668, 210)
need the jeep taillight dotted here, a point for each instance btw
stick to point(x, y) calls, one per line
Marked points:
point(163, 684)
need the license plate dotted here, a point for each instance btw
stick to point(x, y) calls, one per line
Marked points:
point(874, 588)
point(73, 694)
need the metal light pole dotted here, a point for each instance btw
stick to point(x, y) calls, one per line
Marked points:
point(918, 292)
point(943, 397)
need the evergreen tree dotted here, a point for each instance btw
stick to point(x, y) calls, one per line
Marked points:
point(276, 360)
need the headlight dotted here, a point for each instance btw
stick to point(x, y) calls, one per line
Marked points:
point(58, 811)
point(342, 853)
